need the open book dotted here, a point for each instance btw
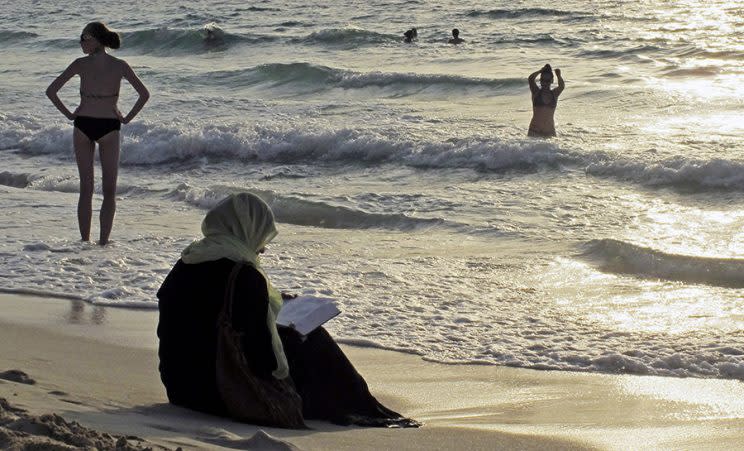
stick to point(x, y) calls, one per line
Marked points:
point(305, 313)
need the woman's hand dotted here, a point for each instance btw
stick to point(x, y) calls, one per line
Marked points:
point(558, 72)
point(121, 117)
point(72, 116)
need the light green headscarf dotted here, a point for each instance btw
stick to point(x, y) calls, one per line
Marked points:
point(236, 229)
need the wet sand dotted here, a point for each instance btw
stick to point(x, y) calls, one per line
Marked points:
point(98, 366)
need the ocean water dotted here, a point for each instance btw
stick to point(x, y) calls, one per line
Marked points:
point(401, 175)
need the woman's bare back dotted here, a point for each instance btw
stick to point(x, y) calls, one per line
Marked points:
point(100, 81)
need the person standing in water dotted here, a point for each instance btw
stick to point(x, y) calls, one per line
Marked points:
point(456, 39)
point(98, 120)
point(544, 101)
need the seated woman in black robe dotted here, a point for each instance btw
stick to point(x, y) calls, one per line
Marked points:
point(191, 300)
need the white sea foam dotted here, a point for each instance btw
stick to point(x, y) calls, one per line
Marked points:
point(680, 172)
point(63, 183)
point(440, 306)
point(121, 297)
point(14, 128)
point(161, 144)
point(539, 345)
point(146, 144)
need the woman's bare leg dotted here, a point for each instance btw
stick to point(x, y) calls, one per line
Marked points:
point(84, 155)
point(108, 147)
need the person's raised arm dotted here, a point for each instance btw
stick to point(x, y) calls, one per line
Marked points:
point(57, 84)
point(561, 83)
point(138, 86)
point(531, 81)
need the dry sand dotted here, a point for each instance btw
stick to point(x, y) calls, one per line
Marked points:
point(98, 367)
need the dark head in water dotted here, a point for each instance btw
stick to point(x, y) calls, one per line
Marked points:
point(456, 39)
point(410, 35)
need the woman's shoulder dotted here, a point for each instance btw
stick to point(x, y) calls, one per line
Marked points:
point(110, 61)
point(184, 276)
point(117, 60)
point(248, 275)
point(119, 63)
point(80, 61)
point(221, 266)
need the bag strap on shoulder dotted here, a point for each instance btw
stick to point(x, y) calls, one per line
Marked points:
point(230, 290)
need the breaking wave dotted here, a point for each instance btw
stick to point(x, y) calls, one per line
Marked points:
point(626, 258)
point(349, 37)
point(324, 77)
point(169, 41)
point(304, 212)
point(160, 144)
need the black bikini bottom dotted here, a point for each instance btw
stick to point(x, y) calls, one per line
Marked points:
point(96, 128)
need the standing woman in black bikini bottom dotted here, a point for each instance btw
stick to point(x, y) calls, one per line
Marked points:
point(98, 119)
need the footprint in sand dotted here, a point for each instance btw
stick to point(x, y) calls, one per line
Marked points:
point(17, 376)
point(58, 393)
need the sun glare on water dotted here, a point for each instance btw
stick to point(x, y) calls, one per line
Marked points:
point(711, 68)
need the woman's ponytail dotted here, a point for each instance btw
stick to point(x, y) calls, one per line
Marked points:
point(101, 32)
point(112, 40)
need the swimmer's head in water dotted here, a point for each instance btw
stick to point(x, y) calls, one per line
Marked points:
point(98, 33)
point(455, 32)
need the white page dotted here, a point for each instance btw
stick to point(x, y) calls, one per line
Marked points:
point(306, 313)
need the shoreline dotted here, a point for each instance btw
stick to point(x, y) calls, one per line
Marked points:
point(104, 361)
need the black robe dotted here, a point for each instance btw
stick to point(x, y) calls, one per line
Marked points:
point(190, 301)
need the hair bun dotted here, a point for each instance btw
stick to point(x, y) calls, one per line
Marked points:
point(113, 41)
point(106, 37)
